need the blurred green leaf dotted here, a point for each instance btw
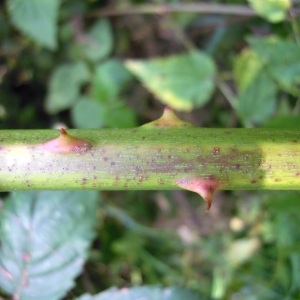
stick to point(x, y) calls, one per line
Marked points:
point(145, 293)
point(285, 222)
point(288, 121)
point(256, 90)
point(182, 81)
point(242, 250)
point(119, 116)
point(257, 102)
point(98, 43)
point(109, 79)
point(87, 113)
point(36, 19)
point(283, 202)
point(272, 10)
point(44, 241)
point(65, 86)
point(282, 60)
point(246, 67)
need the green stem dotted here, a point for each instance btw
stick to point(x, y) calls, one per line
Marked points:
point(164, 154)
point(150, 158)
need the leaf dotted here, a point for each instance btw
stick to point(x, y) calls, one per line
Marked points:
point(283, 203)
point(109, 79)
point(242, 250)
point(272, 10)
point(37, 19)
point(87, 113)
point(145, 293)
point(44, 241)
point(256, 90)
point(183, 81)
point(282, 60)
point(119, 116)
point(65, 85)
point(286, 121)
point(98, 42)
point(246, 67)
point(257, 103)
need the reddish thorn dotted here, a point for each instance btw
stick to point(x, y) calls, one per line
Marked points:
point(205, 187)
point(208, 204)
point(63, 131)
point(66, 143)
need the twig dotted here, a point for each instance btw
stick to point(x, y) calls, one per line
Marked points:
point(295, 28)
point(227, 93)
point(173, 8)
point(203, 8)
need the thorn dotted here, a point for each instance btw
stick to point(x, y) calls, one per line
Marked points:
point(168, 119)
point(66, 143)
point(63, 131)
point(202, 186)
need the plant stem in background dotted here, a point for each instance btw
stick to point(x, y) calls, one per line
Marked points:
point(203, 8)
point(172, 8)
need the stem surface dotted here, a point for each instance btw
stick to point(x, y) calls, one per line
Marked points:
point(149, 158)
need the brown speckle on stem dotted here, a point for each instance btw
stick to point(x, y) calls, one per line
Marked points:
point(216, 151)
point(160, 181)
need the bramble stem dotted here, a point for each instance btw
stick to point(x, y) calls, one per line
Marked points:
point(149, 158)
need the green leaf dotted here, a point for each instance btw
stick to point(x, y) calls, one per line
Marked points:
point(109, 79)
point(282, 60)
point(37, 19)
point(288, 121)
point(145, 293)
point(181, 81)
point(87, 113)
point(97, 43)
point(119, 116)
point(246, 67)
point(283, 203)
point(272, 10)
point(257, 103)
point(65, 86)
point(44, 240)
point(256, 90)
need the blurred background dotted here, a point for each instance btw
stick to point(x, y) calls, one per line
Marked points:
point(117, 64)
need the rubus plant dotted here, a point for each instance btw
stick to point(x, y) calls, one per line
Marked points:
point(164, 154)
point(55, 212)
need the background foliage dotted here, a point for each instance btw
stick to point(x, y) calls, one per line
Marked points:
point(68, 63)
